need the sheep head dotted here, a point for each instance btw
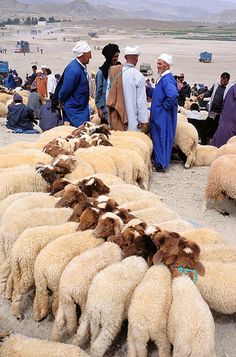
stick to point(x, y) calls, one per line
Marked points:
point(66, 163)
point(89, 219)
point(93, 187)
point(108, 224)
point(71, 196)
point(58, 186)
point(80, 207)
point(48, 173)
point(105, 203)
point(124, 214)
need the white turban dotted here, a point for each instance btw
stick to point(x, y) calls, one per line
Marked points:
point(166, 58)
point(132, 50)
point(80, 48)
point(44, 66)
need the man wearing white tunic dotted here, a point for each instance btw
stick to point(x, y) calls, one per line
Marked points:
point(134, 90)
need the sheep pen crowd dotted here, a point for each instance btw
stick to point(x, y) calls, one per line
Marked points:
point(86, 235)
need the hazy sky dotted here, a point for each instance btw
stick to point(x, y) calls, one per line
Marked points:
point(117, 1)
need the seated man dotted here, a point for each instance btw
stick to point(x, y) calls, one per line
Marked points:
point(20, 118)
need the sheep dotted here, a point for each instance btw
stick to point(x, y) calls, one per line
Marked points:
point(3, 110)
point(203, 236)
point(38, 200)
point(96, 159)
point(22, 259)
point(191, 328)
point(136, 134)
point(221, 180)
point(205, 155)
point(4, 97)
point(226, 149)
point(19, 146)
point(140, 204)
point(75, 281)
point(53, 133)
point(10, 231)
point(6, 202)
point(95, 119)
point(148, 320)
point(107, 304)
point(24, 157)
point(127, 193)
point(186, 139)
point(47, 276)
point(156, 214)
point(219, 253)
point(176, 225)
point(22, 346)
point(82, 169)
point(182, 117)
point(218, 286)
point(232, 140)
point(28, 180)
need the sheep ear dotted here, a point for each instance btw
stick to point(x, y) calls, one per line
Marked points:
point(170, 260)
point(117, 228)
point(157, 258)
point(199, 267)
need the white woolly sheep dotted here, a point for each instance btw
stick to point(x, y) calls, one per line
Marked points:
point(186, 139)
point(38, 200)
point(22, 346)
point(82, 169)
point(56, 132)
point(148, 320)
point(205, 155)
point(229, 148)
point(27, 181)
point(22, 259)
point(140, 204)
point(136, 134)
point(4, 97)
point(75, 281)
point(156, 214)
point(219, 253)
point(6, 202)
point(47, 276)
point(218, 286)
point(191, 327)
point(232, 140)
point(182, 117)
point(176, 225)
point(19, 146)
point(221, 179)
point(108, 179)
point(107, 304)
point(127, 193)
point(203, 236)
point(24, 157)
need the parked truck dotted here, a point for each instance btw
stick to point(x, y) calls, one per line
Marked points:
point(4, 70)
point(205, 57)
point(22, 47)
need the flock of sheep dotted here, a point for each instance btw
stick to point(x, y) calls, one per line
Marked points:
point(78, 221)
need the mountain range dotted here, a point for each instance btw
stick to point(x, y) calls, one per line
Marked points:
point(168, 10)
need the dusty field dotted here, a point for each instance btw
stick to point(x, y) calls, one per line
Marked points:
point(180, 189)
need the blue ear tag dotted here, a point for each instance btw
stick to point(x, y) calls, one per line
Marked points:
point(185, 270)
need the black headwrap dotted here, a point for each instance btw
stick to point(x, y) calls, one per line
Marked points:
point(108, 52)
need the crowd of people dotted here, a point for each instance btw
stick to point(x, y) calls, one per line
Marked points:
point(121, 93)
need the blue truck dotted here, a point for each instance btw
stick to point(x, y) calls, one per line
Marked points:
point(4, 70)
point(205, 57)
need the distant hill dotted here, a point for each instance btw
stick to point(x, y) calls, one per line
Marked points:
point(77, 9)
point(227, 16)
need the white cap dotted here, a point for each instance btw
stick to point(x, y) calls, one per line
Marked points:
point(80, 48)
point(132, 50)
point(44, 66)
point(166, 58)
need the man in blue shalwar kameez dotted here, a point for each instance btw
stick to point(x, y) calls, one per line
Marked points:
point(163, 117)
point(74, 92)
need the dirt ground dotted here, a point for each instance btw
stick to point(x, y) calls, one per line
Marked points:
point(180, 189)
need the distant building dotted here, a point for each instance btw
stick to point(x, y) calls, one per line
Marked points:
point(42, 23)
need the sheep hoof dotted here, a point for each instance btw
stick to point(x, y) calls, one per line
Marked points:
point(20, 317)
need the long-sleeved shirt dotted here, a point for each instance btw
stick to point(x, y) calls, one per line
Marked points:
point(134, 89)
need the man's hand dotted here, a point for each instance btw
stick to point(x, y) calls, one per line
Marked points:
point(100, 113)
point(200, 96)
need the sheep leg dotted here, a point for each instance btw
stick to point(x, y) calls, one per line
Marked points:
point(40, 306)
point(55, 302)
point(137, 345)
point(104, 340)
point(162, 344)
point(16, 304)
point(5, 271)
point(9, 287)
point(70, 315)
point(83, 331)
point(58, 324)
point(190, 159)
